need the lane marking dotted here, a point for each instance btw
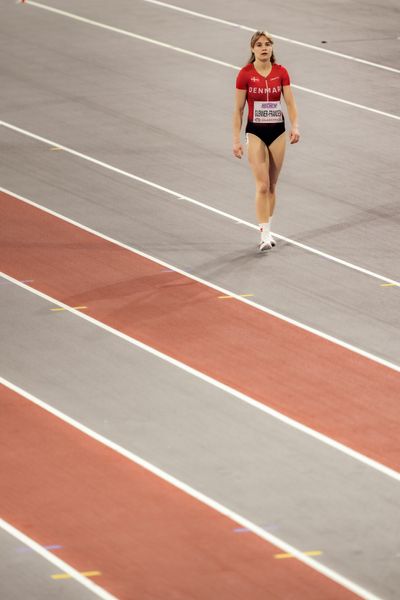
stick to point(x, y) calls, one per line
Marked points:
point(241, 295)
point(68, 576)
point(22, 280)
point(24, 549)
point(55, 560)
point(272, 527)
point(220, 508)
point(75, 307)
point(196, 55)
point(389, 284)
point(190, 200)
point(209, 284)
point(54, 149)
point(287, 555)
point(274, 35)
point(218, 384)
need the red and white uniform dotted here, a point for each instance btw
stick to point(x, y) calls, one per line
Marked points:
point(263, 93)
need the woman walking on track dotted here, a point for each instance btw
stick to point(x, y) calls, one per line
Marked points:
point(261, 83)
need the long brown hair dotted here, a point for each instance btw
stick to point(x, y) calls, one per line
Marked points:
point(254, 39)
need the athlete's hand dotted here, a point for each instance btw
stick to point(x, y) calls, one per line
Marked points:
point(238, 150)
point(294, 135)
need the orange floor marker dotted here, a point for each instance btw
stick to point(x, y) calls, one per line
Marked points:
point(66, 576)
point(241, 295)
point(309, 553)
point(62, 308)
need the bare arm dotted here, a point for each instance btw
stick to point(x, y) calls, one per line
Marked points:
point(240, 101)
point(292, 111)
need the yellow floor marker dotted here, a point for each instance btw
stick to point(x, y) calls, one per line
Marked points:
point(61, 308)
point(66, 576)
point(241, 295)
point(390, 285)
point(310, 553)
point(55, 148)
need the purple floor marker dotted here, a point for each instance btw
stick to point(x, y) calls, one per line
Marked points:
point(24, 549)
point(11, 282)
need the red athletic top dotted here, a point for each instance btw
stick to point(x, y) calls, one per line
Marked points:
point(261, 88)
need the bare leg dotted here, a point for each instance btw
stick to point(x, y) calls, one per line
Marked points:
point(258, 158)
point(266, 164)
point(276, 153)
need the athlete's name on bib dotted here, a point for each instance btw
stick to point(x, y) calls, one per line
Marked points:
point(267, 112)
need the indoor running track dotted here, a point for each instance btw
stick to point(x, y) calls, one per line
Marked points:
point(180, 419)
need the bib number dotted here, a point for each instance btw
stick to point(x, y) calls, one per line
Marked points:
point(267, 112)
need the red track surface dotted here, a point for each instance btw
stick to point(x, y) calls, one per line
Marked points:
point(149, 540)
point(322, 385)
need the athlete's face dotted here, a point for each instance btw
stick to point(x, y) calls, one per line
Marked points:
point(262, 49)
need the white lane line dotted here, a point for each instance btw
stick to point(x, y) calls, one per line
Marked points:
point(197, 495)
point(60, 564)
point(196, 55)
point(190, 200)
point(278, 37)
point(209, 284)
point(127, 33)
point(218, 384)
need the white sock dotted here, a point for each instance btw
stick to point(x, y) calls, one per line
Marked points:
point(265, 231)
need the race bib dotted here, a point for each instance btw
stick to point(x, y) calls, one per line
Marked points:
point(267, 112)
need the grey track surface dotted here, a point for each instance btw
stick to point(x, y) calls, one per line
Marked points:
point(165, 117)
point(24, 574)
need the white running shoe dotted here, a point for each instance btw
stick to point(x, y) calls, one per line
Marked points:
point(264, 245)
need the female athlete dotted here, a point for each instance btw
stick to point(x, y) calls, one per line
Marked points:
point(261, 83)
